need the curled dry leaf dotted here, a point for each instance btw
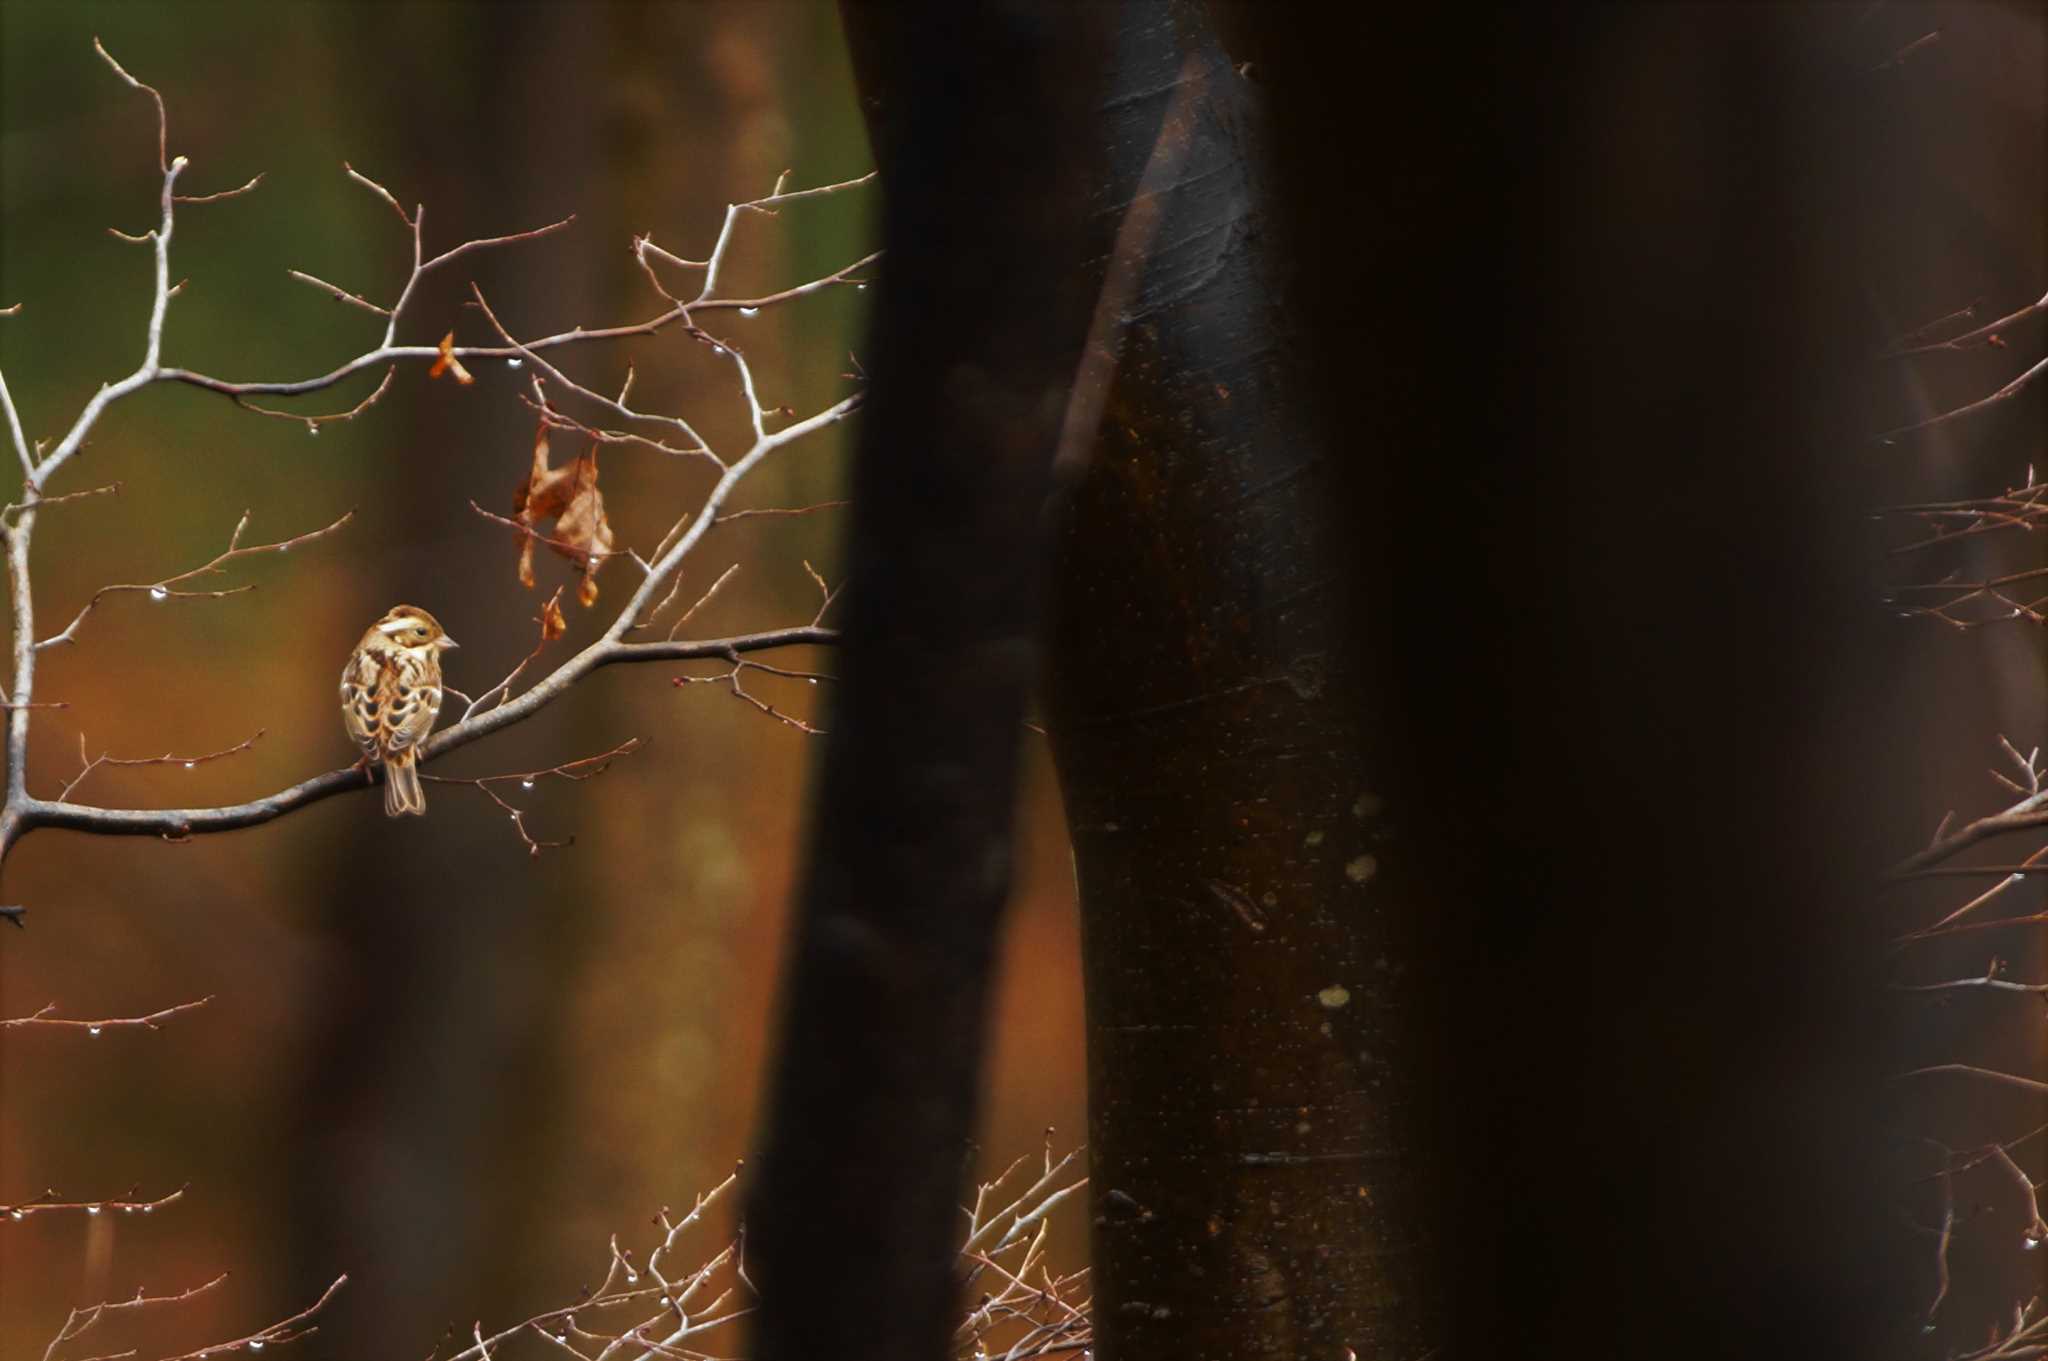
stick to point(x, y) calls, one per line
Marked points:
point(552, 624)
point(570, 497)
point(448, 363)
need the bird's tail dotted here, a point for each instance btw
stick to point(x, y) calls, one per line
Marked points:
point(402, 792)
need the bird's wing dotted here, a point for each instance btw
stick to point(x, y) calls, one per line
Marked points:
point(360, 705)
point(410, 700)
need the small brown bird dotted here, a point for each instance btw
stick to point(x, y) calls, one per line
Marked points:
point(390, 697)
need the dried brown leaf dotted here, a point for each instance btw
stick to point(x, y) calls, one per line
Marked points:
point(569, 495)
point(448, 363)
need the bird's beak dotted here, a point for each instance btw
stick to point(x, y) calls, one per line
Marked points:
point(444, 642)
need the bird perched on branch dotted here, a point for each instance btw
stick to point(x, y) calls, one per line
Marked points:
point(390, 697)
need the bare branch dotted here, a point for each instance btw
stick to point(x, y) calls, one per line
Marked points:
point(166, 589)
point(2020, 508)
point(44, 502)
point(89, 764)
point(47, 1019)
point(223, 194)
point(339, 293)
point(385, 354)
point(14, 432)
point(379, 190)
point(178, 823)
point(616, 407)
point(2031, 812)
point(284, 1330)
point(732, 515)
point(163, 164)
point(1992, 1075)
point(1970, 340)
point(503, 688)
point(83, 1319)
point(556, 419)
point(313, 423)
point(702, 600)
point(1906, 53)
point(730, 678)
point(1998, 398)
point(445, 256)
point(50, 1203)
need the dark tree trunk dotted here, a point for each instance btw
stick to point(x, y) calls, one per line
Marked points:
point(1464, 639)
point(1246, 908)
point(1461, 684)
point(1587, 289)
point(978, 116)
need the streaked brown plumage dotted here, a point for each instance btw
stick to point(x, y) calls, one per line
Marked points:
point(390, 697)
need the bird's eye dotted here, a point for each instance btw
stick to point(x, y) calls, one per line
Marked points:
point(419, 633)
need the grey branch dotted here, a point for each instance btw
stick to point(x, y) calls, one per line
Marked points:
point(178, 823)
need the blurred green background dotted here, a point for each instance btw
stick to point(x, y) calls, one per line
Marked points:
point(431, 1062)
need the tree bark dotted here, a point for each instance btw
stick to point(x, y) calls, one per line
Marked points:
point(1257, 1181)
point(1586, 291)
point(978, 117)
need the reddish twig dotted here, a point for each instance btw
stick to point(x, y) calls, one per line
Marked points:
point(46, 1019)
point(83, 1319)
point(50, 1202)
point(92, 763)
point(587, 768)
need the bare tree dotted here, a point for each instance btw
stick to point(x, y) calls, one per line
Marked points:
point(612, 422)
point(650, 623)
point(1026, 1308)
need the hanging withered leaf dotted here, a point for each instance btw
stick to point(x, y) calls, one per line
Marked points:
point(448, 363)
point(552, 624)
point(569, 496)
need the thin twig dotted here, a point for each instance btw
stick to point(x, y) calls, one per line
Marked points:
point(50, 1202)
point(46, 1018)
point(589, 767)
point(166, 589)
point(313, 423)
